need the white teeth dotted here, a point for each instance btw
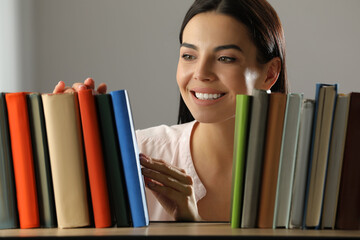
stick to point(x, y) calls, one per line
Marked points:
point(207, 96)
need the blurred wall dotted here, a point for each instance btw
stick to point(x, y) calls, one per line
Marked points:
point(133, 44)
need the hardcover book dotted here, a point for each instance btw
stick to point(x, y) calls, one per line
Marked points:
point(130, 158)
point(26, 192)
point(8, 207)
point(243, 104)
point(41, 162)
point(66, 152)
point(94, 159)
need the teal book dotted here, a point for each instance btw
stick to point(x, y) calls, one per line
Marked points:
point(255, 155)
point(41, 162)
point(243, 105)
point(287, 160)
point(8, 206)
point(130, 158)
point(112, 159)
point(301, 164)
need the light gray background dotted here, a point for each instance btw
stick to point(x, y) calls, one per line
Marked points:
point(133, 45)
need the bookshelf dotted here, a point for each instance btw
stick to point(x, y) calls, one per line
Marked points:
point(176, 230)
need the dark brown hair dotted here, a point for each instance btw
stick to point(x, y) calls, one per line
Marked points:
point(265, 30)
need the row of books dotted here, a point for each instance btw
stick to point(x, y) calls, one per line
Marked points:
point(62, 161)
point(296, 160)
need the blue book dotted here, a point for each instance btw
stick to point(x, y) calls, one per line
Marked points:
point(8, 207)
point(323, 117)
point(130, 157)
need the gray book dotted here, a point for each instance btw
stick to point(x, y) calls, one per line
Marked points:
point(8, 207)
point(337, 145)
point(301, 164)
point(287, 160)
point(254, 158)
point(41, 162)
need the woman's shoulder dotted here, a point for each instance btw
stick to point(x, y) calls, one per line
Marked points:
point(165, 142)
point(164, 133)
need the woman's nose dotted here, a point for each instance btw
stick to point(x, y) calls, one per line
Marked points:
point(204, 70)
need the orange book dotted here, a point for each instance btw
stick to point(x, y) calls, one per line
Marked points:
point(94, 158)
point(277, 106)
point(24, 172)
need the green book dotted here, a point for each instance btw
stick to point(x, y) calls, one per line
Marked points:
point(8, 207)
point(112, 158)
point(41, 162)
point(243, 104)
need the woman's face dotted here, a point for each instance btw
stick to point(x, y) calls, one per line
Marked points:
point(217, 62)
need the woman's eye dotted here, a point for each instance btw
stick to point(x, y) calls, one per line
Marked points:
point(226, 59)
point(188, 57)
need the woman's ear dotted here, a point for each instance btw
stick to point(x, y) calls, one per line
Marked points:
point(273, 68)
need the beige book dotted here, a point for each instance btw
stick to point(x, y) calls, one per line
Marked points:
point(323, 127)
point(67, 160)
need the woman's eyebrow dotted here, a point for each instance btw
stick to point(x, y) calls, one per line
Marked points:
point(229, 46)
point(188, 45)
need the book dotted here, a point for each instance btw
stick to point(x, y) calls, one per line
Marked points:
point(243, 105)
point(94, 158)
point(301, 164)
point(275, 123)
point(255, 154)
point(112, 158)
point(335, 161)
point(62, 119)
point(45, 191)
point(26, 192)
point(287, 160)
point(130, 158)
point(348, 211)
point(325, 102)
point(8, 207)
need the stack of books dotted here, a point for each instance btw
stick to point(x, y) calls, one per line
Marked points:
point(296, 161)
point(62, 161)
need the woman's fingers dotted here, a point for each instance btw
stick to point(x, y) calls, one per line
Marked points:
point(165, 168)
point(102, 88)
point(60, 87)
point(167, 181)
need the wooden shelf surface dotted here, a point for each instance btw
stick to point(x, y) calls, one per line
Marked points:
point(176, 230)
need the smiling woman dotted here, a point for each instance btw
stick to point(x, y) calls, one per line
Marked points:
point(227, 47)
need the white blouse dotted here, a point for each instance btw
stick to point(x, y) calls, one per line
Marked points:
point(171, 144)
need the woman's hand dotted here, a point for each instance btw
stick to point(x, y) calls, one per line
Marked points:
point(89, 83)
point(172, 187)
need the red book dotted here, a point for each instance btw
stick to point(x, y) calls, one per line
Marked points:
point(94, 158)
point(23, 160)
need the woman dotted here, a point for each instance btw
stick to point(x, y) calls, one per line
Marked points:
point(227, 47)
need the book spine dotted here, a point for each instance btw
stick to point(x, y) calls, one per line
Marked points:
point(348, 212)
point(94, 158)
point(240, 147)
point(255, 154)
point(277, 106)
point(62, 119)
point(23, 160)
point(287, 160)
point(112, 159)
point(301, 164)
point(130, 157)
point(41, 162)
point(8, 207)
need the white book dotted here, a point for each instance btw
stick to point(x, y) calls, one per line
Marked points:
point(301, 164)
point(287, 160)
point(337, 145)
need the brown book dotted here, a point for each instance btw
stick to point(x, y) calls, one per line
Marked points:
point(277, 106)
point(348, 212)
